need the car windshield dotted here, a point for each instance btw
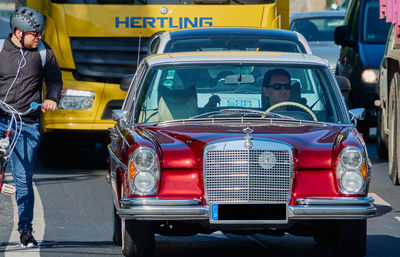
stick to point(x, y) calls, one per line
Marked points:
point(194, 91)
point(317, 29)
point(233, 43)
point(375, 30)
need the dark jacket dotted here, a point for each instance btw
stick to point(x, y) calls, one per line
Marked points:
point(27, 87)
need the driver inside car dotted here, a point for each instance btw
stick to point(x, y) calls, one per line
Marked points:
point(276, 87)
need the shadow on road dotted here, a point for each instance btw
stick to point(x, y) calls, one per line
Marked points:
point(80, 158)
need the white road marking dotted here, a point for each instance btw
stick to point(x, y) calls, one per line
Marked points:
point(13, 248)
point(378, 200)
point(397, 218)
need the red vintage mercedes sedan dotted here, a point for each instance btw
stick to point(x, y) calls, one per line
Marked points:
point(238, 142)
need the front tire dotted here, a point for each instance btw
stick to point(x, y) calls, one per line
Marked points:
point(351, 238)
point(323, 234)
point(117, 234)
point(138, 239)
point(393, 139)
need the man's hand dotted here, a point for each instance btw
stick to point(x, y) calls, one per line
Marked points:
point(49, 105)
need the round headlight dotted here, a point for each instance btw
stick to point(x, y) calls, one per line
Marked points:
point(352, 182)
point(267, 160)
point(369, 76)
point(144, 159)
point(145, 182)
point(352, 159)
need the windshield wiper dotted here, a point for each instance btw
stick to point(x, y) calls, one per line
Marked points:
point(241, 113)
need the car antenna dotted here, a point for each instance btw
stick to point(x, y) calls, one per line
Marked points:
point(138, 56)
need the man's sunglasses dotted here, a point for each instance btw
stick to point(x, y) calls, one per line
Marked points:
point(279, 86)
point(35, 34)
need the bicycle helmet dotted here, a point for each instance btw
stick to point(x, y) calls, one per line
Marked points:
point(27, 19)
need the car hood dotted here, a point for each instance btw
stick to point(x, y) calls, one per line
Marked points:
point(371, 55)
point(326, 50)
point(181, 145)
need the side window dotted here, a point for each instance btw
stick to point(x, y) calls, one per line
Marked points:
point(353, 21)
point(154, 45)
point(131, 96)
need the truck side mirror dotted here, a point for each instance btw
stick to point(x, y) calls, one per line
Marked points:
point(384, 62)
point(125, 82)
point(341, 36)
point(345, 87)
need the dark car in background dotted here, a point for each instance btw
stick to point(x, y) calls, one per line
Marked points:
point(362, 40)
point(318, 28)
point(228, 39)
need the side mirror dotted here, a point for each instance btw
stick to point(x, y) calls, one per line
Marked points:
point(341, 36)
point(357, 114)
point(119, 115)
point(345, 87)
point(126, 82)
point(344, 83)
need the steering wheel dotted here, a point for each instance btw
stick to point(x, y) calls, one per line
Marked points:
point(301, 106)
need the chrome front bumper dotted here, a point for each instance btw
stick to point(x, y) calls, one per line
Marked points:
point(190, 209)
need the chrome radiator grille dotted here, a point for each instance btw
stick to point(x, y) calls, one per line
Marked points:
point(247, 175)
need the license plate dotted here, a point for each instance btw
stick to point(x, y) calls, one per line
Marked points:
point(248, 213)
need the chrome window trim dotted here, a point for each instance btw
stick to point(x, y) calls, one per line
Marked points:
point(123, 166)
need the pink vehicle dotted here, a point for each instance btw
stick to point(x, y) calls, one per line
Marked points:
point(202, 145)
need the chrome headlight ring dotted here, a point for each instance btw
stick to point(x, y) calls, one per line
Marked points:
point(351, 170)
point(144, 171)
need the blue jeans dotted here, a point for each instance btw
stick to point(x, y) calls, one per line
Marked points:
point(22, 163)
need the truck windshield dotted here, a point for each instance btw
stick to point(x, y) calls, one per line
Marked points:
point(164, 2)
point(374, 30)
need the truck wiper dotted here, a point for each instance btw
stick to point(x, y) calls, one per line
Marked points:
point(212, 1)
point(117, 1)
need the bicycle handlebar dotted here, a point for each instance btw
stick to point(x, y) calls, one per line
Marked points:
point(32, 107)
point(35, 105)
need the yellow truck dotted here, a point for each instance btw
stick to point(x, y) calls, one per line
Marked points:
point(97, 42)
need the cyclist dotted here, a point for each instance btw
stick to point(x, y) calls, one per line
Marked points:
point(22, 71)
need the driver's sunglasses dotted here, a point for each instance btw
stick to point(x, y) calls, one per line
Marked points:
point(279, 86)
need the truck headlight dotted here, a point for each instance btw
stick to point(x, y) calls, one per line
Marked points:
point(145, 175)
point(73, 99)
point(370, 76)
point(351, 171)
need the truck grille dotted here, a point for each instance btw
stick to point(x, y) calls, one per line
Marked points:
point(102, 59)
point(237, 176)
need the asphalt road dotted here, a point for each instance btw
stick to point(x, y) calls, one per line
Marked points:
point(77, 212)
